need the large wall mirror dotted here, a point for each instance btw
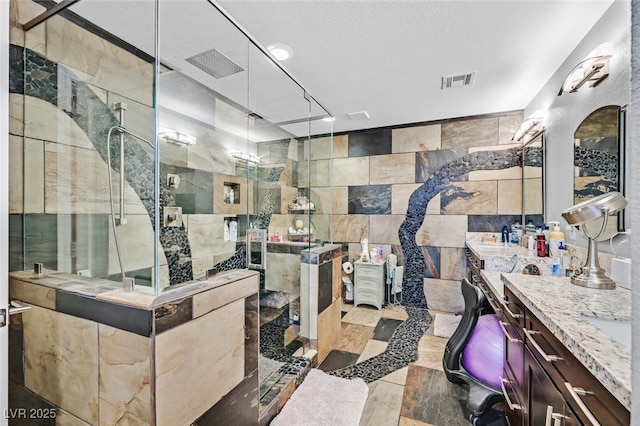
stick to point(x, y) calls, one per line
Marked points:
point(599, 159)
point(533, 183)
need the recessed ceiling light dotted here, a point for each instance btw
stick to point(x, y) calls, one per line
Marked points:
point(280, 51)
point(329, 119)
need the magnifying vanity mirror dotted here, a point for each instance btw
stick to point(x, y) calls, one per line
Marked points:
point(533, 183)
point(599, 159)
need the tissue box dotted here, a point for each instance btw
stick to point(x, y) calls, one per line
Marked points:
point(621, 271)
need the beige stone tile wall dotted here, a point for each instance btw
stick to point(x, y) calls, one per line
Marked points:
point(190, 382)
point(61, 361)
point(125, 377)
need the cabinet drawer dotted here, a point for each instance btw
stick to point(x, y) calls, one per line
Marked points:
point(513, 310)
point(514, 356)
point(368, 284)
point(369, 297)
point(586, 395)
point(513, 408)
point(368, 271)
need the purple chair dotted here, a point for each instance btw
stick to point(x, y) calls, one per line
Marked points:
point(474, 354)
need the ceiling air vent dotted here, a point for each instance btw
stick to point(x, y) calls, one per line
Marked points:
point(214, 63)
point(360, 115)
point(457, 80)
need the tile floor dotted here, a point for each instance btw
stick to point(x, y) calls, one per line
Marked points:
point(416, 395)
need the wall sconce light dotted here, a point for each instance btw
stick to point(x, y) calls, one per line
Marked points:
point(177, 138)
point(528, 130)
point(591, 70)
point(246, 158)
point(591, 274)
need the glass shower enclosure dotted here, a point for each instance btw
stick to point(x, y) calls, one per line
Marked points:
point(163, 145)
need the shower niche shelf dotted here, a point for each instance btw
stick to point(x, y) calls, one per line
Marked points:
point(300, 225)
point(231, 191)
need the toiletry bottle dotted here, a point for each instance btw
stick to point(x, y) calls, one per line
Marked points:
point(233, 231)
point(556, 238)
point(545, 232)
point(556, 270)
point(531, 243)
point(226, 230)
point(541, 246)
point(505, 234)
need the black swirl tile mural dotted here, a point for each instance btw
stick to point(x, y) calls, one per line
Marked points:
point(42, 79)
point(413, 280)
point(427, 162)
point(402, 349)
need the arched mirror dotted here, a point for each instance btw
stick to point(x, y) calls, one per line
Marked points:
point(599, 158)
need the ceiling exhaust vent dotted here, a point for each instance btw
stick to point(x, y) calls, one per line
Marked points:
point(360, 115)
point(214, 63)
point(457, 80)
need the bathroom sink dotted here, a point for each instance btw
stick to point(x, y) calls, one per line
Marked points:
point(617, 329)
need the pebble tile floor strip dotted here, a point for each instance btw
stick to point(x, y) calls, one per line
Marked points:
point(395, 351)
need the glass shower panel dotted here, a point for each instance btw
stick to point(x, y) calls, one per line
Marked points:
point(78, 76)
point(202, 96)
point(280, 209)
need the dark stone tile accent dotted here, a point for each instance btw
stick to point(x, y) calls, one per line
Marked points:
point(16, 350)
point(428, 162)
point(377, 142)
point(16, 243)
point(252, 333)
point(286, 248)
point(87, 236)
point(20, 398)
point(238, 407)
point(41, 240)
point(426, 388)
point(338, 359)
point(195, 192)
point(402, 349)
point(536, 219)
point(126, 318)
point(371, 199)
point(172, 315)
point(490, 223)
point(431, 257)
point(325, 286)
point(385, 329)
point(16, 69)
point(327, 256)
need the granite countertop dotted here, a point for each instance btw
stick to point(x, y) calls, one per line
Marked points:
point(564, 309)
point(108, 291)
point(497, 256)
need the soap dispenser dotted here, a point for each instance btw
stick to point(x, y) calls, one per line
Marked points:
point(556, 239)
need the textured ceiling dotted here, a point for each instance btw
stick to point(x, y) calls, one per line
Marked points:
point(388, 57)
point(383, 57)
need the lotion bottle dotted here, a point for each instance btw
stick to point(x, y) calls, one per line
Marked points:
point(556, 239)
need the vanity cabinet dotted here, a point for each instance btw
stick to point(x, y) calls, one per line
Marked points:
point(544, 383)
point(513, 383)
point(369, 284)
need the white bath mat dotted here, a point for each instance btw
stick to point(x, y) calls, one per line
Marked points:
point(445, 325)
point(323, 400)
